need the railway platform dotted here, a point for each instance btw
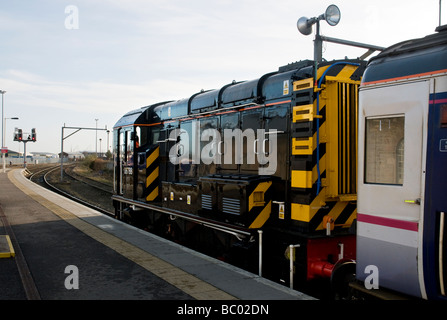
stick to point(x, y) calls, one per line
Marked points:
point(66, 251)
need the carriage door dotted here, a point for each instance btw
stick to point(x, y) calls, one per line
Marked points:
point(392, 130)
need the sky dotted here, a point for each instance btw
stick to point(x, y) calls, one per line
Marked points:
point(85, 63)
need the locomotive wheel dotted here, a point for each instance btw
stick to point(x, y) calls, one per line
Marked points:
point(343, 274)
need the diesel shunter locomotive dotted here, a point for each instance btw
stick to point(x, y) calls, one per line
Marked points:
point(275, 154)
point(268, 174)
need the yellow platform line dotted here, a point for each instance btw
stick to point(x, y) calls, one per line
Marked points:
point(186, 282)
point(11, 252)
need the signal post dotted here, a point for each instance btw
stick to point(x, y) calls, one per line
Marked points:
point(27, 137)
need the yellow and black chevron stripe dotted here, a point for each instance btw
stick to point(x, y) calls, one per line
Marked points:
point(312, 217)
point(260, 204)
point(152, 192)
point(323, 181)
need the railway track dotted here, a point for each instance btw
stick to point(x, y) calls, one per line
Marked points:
point(81, 189)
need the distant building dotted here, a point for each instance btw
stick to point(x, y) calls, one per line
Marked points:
point(64, 155)
point(44, 155)
point(13, 154)
point(75, 155)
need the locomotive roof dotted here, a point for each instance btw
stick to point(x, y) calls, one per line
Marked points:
point(139, 115)
point(410, 58)
point(266, 88)
point(270, 88)
point(130, 117)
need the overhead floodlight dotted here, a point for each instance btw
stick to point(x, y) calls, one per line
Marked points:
point(332, 17)
point(304, 26)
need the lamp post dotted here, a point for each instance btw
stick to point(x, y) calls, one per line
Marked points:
point(3, 132)
point(4, 135)
point(96, 138)
point(108, 132)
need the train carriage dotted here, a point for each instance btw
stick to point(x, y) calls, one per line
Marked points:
point(403, 168)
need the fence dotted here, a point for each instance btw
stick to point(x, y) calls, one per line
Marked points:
point(32, 160)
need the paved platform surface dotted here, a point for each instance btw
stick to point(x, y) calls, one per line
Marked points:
point(73, 252)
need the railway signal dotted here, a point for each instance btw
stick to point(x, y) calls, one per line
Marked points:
point(19, 136)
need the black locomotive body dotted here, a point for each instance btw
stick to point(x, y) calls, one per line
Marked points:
point(276, 154)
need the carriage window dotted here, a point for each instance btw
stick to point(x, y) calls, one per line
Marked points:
point(444, 116)
point(385, 150)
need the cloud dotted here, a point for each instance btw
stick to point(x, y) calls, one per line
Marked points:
point(130, 54)
point(34, 91)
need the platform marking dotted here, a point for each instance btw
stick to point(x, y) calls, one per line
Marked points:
point(6, 248)
point(29, 286)
point(184, 281)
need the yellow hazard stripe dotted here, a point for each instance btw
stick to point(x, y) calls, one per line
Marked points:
point(152, 195)
point(154, 155)
point(305, 213)
point(344, 74)
point(151, 178)
point(306, 179)
point(334, 213)
point(262, 187)
point(262, 217)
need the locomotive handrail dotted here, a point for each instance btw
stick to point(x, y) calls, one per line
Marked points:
point(441, 252)
point(231, 229)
